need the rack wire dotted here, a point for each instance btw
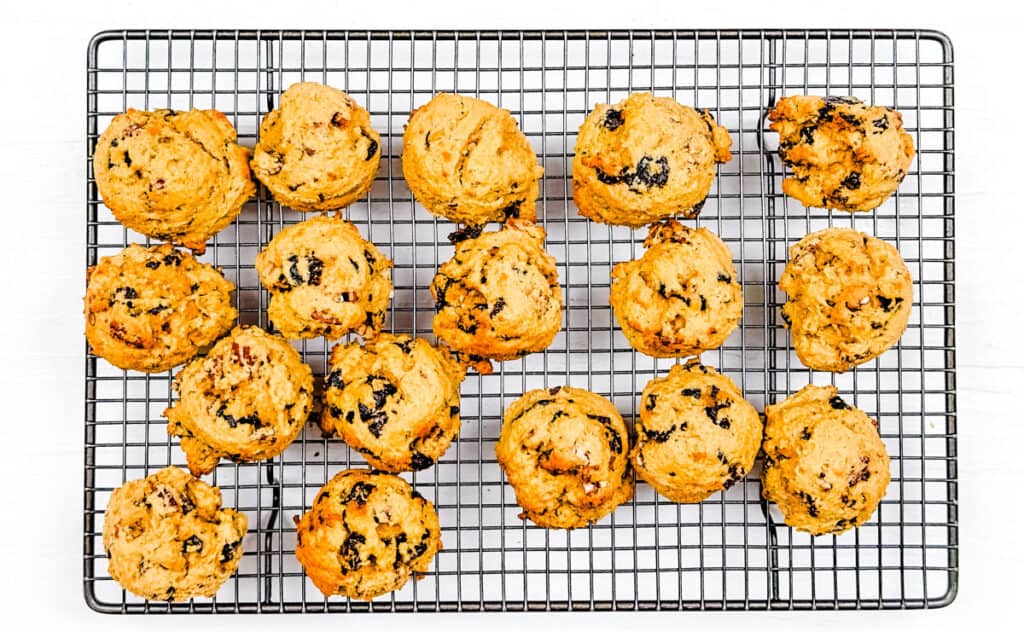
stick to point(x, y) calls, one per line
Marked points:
point(729, 552)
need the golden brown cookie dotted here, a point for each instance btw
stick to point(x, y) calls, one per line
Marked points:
point(168, 537)
point(150, 309)
point(394, 399)
point(324, 280)
point(696, 435)
point(173, 176)
point(825, 465)
point(844, 154)
point(466, 160)
point(565, 452)
point(498, 297)
point(681, 297)
point(644, 159)
point(246, 400)
point(366, 534)
point(849, 298)
point(317, 150)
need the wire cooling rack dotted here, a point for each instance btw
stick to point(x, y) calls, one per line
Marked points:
point(730, 552)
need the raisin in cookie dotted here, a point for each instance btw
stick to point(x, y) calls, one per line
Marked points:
point(681, 297)
point(395, 399)
point(150, 309)
point(696, 435)
point(317, 150)
point(246, 400)
point(844, 154)
point(366, 534)
point(825, 465)
point(849, 298)
point(173, 176)
point(645, 159)
point(565, 452)
point(168, 538)
point(324, 280)
point(499, 297)
point(466, 160)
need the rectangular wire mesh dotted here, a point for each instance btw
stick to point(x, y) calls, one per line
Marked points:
point(729, 552)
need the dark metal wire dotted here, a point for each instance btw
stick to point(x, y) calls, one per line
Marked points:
point(730, 552)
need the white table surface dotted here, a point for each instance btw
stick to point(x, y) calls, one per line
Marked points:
point(42, 66)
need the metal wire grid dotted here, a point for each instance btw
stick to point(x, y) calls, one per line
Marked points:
point(730, 552)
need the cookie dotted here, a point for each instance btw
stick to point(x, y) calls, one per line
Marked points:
point(466, 160)
point(825, 465)
point(317, 150)
point(169, 539)
point(150, 309)
point(565, 452)
point(394, 399)
point(644, 159)
point(499, 296)
point(324, 280)
point(681, 297)
point(246, 400)
point(844, 154)
point(366, 534)
point(173, 176)
point(849, 298)
point(696, 435)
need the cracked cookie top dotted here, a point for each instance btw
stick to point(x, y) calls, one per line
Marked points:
point(246, 400)
point(151, 309)
point(324, 280)
point(644, 159)
point(174, 176)
point(168, 538)
point(317, 150)
point(565, 452)
point(366, 534)
point(825, 465)
point(844, 154)
point(849, 298)
point(466, 160)
point(394, 399)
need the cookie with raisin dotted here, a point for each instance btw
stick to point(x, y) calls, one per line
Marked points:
point(317, 150)
point(168, 538)
point(178, 177)
point(324, 280)
point(644, 159)
point(844, 154)
point(151, 309)
point(825, 465)
point(246, 400)
point(466, 160)
point(366, 534)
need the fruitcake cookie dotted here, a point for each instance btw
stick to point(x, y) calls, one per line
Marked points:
point(844, 154)
point(173, 176)
point(168, 538)
point(645, 159)
point(324, 280)
point(681, 297)
point(466, 160)
point(849, 298)
point(696, 435)
point(366, 534)
point(565, 452)
point(150, 309)
point(246, 400)
point(825, 465)
point(317, 150)
point(498, 297)
point(395, 399)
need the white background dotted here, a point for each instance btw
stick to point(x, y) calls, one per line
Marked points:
point(42, 160)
